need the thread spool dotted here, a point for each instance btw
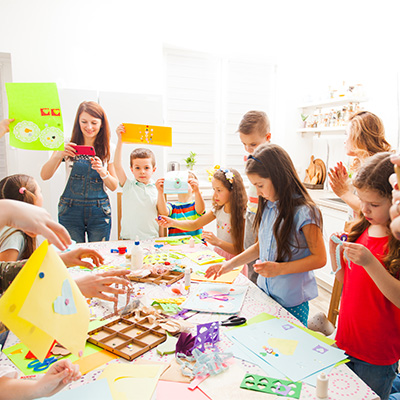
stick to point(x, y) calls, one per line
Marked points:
point(322, 387)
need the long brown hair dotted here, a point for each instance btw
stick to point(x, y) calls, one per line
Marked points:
point(271, 161)
point(21, 188)
point(237, 201)
point(374, 175)
point(102, 141)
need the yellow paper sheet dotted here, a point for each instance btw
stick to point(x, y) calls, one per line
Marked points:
point(131, 381)
point(147, 134)
point(225, 278)
point(26, 308)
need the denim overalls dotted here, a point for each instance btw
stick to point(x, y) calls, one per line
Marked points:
point(84, 206)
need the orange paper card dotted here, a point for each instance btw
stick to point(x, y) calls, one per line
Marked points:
point(147, 134)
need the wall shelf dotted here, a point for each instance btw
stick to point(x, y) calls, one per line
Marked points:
point(334, 102)
point(335, 130)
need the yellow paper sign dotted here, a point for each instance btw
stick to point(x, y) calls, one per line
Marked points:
point(44, 304)
point(147, 134)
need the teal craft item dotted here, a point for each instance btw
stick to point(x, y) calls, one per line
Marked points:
point(176, 182)
point(265, 384)
point(339, 242)
point(65, 304)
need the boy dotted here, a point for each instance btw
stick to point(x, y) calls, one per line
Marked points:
point(185, 208)
point(254, 130)
point(139, 195)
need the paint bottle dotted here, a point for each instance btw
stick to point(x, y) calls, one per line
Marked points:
point(187, 279)
point(136, 256)
point(322, 387)
point(191, 242)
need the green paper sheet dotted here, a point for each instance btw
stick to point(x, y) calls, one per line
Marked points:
point(38, 121)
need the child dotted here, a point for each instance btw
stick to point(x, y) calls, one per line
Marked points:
point(139, 196)
point(229, 201)
point(254, 130)
point(5, 126)
point(185, 209)
point(369, 316)
point(290, 243)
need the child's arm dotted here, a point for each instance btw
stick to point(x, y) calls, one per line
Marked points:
point(161, 203)
point(317, 258)
point(51, 166)
point(119, 170)
point(339, 275)
point(250, 254)
point(5, 126)
point(191, 225)
point(107, 174)
point(56, 378)
point(209, 237)
point(387, 283)
point(9, 255)
point(199, 204)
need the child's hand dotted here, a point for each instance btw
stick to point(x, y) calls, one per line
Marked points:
point(160, 185)
point(339, 179)
point(74, 257)
point(120, 130)
point(164, 221)
point(217, 270)
point(358, 254)
point(267, 269)
point(5, 126)
point(209, 237)
point(56, 378)
point(97, 165)
point(194, 184)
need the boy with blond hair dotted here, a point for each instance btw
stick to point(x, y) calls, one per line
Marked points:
point(254, 131)
point(139, 195)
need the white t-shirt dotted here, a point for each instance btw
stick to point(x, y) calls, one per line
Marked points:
point(223, 224)
point(14, 241)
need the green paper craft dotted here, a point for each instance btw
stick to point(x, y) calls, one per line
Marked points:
point(38, 122)
point(168, 347)
point(265, 384)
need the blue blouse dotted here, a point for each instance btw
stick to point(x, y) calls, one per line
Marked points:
point(289, 290)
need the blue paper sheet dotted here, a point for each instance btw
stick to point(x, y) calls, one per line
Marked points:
point(98, 390)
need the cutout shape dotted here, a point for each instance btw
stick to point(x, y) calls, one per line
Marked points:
point(64, 304)
point(168, 347)
point(284, 346)
point(176, 182)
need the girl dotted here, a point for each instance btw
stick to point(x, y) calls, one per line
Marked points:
point(365, 137)
point(371, 282)
point(84, 207)
point(229, 206)
point(290, 243)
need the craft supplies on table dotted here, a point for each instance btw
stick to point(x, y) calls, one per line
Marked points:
point(167, 278)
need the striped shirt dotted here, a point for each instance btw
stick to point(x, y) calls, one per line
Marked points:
point(182, 212)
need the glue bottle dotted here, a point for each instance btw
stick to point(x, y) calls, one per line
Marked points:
point(187, 279)
point(136, 256)
point(322, 387)
point(191, 242)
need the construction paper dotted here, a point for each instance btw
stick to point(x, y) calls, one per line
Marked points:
point(17, 353)
point(95, 360)
point(177, 390)
point(123, 377)
point(198, 275)
point(309, 356)
point(99, 390)
point(147, 134)
point(38, 121)
point(207, 297)
point(26, 307)
point(167, 347)
point(176, 182)
point(64, 304)
point(203, 257)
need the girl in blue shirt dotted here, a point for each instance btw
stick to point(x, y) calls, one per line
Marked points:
point(290, 243)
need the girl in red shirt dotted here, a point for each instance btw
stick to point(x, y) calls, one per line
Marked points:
point(369, 317)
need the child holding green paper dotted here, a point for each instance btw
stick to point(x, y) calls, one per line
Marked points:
point(5, 126)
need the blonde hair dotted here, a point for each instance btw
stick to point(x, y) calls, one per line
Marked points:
point(255, 122)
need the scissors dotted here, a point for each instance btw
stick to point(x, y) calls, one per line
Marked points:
point(41, 366)
point(233, 321)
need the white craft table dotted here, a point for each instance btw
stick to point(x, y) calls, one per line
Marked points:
point(343, 383)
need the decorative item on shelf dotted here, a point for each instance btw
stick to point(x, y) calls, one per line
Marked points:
point(191, 160)
point(315, 174)
point(304, 119)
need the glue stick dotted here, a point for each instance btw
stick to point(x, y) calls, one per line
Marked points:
point(322, 386)
point(191, 242)
point(187, 279)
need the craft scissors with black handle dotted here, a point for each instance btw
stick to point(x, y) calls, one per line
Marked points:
point(234, 320)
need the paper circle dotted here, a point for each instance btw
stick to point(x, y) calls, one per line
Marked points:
point(52, 137)
point(26, 131)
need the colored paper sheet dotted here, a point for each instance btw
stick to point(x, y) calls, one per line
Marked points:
point(38, 121)
point(198, 275)
point(309, 356)
point(147, 134)
point(176, 182)
point(216, 297)
point(27, 306)
point(17, 354)
point(123, 377)
point(203, 257)
point(95, 360)
point(177, 390)
point(99, 390)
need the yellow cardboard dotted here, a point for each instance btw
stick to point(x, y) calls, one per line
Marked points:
point(147, 134)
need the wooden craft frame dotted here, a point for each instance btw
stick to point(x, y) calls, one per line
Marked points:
point(168, 278)
point(120, 333)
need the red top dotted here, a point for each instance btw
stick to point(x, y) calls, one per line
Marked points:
point(369, 324)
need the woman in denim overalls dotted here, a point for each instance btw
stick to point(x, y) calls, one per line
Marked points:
point(84, 207)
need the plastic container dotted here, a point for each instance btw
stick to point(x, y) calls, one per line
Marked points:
point(322, 387)
point(191, 242)
point(187, 279)
point(136, 256)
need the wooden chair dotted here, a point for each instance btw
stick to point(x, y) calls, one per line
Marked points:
point(335, 301)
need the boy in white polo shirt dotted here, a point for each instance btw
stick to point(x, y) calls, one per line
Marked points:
point(139, 195)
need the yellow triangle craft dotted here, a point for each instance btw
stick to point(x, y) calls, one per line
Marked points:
point(284, 346)
point(44, 304)
point(147, 134)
